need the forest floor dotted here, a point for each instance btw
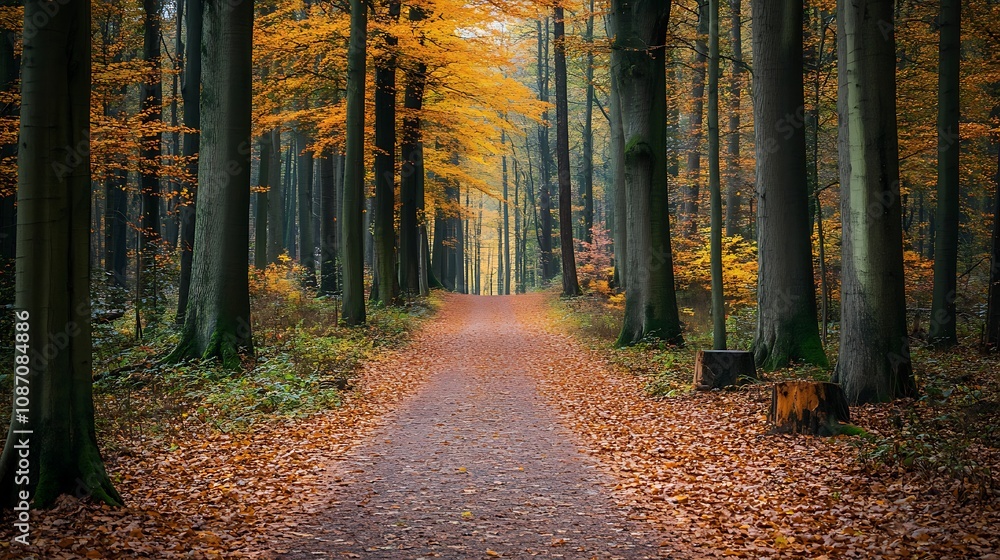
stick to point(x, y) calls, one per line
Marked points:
point(497, 431)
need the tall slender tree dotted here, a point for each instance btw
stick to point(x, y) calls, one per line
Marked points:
point(587, 168)
point(191, 92)
point(544, 158)
point(354, 176)
point(714, 181)
point(570, 285)
point(304, 180)
point(150, 106)
point(734, 198)
point(263, 202)
point(385, 161)
point(874, 362)
point(275, 197)
point(217, 324)
point(941, 331)
point(412, 234)
point(52, 299)
point(786, 296)
point(692, 171)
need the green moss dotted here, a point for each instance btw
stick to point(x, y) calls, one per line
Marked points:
point(637, 147)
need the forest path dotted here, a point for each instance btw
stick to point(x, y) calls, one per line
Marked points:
point(475, 463)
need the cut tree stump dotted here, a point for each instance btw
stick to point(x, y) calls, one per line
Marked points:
point(715, 369)
point(810, 407)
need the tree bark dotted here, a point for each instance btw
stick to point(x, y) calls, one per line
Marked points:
point(53, 269)
point(992, 334)
point(276, 199)
point(150, 106)
point(714, 182)
point(328, 169)
point(874, 362)
point(692, 188)
point(569, 281)
point(941, 331)
point(354, 177)
point(544, 157)
point(786, 295)
point(385, 164)
point(304, 180)
point(411, 173)
point(638, 68)
point(218, 314)
point(191, 92)
point(263, 207)
point(587, 171)
point(734, 202)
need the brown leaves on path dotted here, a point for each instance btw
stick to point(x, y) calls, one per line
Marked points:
point(702, 469)
point(204, 494)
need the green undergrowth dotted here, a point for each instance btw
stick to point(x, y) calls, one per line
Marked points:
point(304, 362)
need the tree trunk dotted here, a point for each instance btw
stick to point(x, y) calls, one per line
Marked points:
point(941, 331)
point(506, 222)
point(992, 334)
point(587, 170)
point(10, 67)
point(545, 169)
point(328, 168)
point(411, 174)
point(734, 201)
point(276, 199)
point(569, 281)
point(171, 231)
point(150, 106)
point(53, 345)
point(617, 142)
point(218, 314)
point(304, 180)
point(354, 177)
point(263, 206)
point(191, 92)
point(786, 295)
point(714, 181)
point(692, 187)
point(385, 164)
point(640, 73)
point(874, 362)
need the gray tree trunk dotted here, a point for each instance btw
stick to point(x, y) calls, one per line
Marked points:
point(53, 348)
point(941, 331)
point(571, 286)
point(734, 199)
point(263, 203)
point(714, 182)
point(874, 361)
point(218, 315)
point(304, 179)
point(191, 92)
point(692, 171)
point(650, 300)
point(385, 163)
point(786, 295)
point(353, 233)
point(276, 199)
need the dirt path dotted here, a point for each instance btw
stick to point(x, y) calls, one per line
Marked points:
point(476, 463)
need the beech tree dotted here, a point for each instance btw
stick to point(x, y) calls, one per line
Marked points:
point(354, 176)
point(874, 361)
point(638, 32)
point(385, 162)
point(191, 92)
point(941, 331)
point(787, 329)
point(570, 285)
point(217, 323)
point(53, 268)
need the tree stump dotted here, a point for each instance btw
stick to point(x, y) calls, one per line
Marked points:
point(714, 369)
point(809, 407)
